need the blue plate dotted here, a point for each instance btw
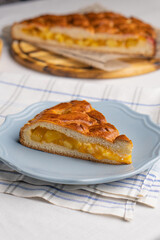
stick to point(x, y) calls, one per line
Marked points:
point(59, 169)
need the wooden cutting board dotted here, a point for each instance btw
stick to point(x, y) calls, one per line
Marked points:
point(47, 62)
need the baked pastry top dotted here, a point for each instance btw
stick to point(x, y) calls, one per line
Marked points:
point(104, 31)
point(104, 22)
point(80, 128)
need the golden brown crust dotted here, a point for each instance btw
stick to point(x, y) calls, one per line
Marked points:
point(103, 22)
point(123, 138)
point(81, 117)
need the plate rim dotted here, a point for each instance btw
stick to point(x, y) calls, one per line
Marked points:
point(35, 107)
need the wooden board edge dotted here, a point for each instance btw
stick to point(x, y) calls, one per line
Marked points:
point(94, 73)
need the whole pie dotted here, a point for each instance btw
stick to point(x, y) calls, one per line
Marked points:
point(75, 129)
point(104, 32)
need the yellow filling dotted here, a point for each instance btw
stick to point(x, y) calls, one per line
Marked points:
point(62, 38)
point(40, 134)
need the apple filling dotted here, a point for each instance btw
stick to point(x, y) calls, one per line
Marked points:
point(46, 34)
point(41, 135)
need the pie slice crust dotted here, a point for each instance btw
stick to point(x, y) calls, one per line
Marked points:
point(75, 129)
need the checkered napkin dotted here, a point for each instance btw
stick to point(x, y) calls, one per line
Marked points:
point(117, 198)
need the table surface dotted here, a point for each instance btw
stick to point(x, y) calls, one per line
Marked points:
point(35, 219)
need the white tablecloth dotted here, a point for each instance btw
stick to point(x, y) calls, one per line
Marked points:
point(34, 219)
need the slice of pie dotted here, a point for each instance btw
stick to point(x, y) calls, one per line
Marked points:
point(104, 32)
point(75, 129)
